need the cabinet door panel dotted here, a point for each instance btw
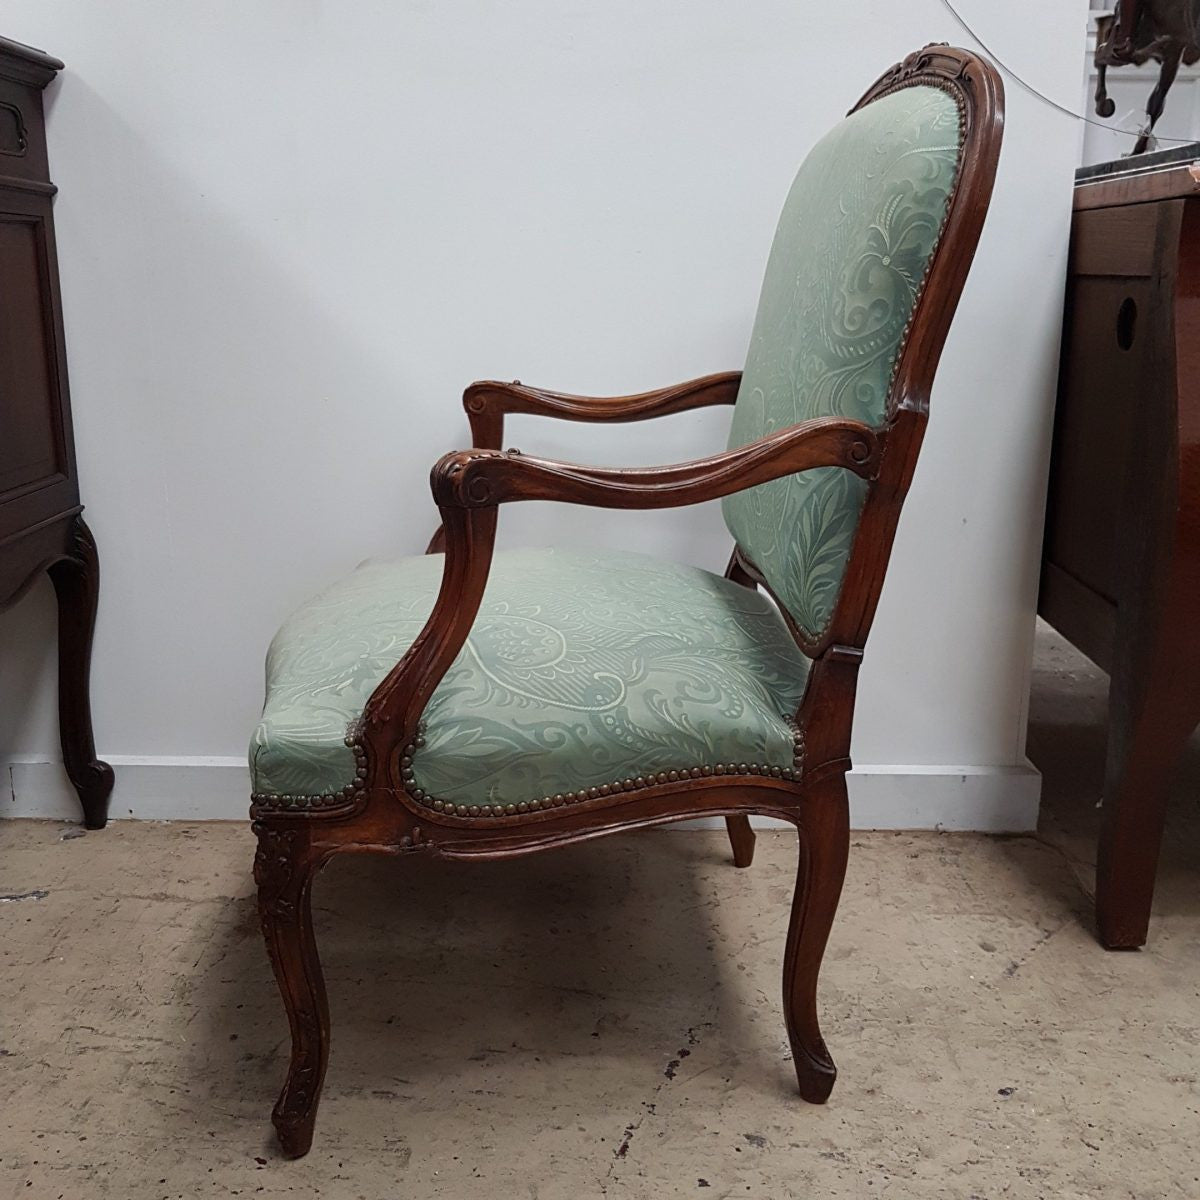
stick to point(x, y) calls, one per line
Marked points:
point(37, 472)
point(1101, 384)
point(32, 448)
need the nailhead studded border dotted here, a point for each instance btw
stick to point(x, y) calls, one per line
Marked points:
point(916, 77)
point(305, 803)
point(617, 787)
point(301, 803)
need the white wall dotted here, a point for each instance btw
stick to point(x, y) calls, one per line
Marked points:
point(290, 233)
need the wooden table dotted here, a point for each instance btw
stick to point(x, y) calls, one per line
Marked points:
point(1121, 561)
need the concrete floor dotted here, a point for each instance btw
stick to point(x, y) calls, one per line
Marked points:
point(605, 1021)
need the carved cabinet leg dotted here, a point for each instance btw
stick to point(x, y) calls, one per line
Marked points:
point(741, 838)
point(76, 580)
point(1150, 723)
point(284, 867)
point(1154, 690)
point(824, 837)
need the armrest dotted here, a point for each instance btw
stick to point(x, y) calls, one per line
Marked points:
point(483, 478)
point(469, 485)
point(487, 401)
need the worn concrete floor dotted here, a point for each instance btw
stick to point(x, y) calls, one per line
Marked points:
point(605, 1021)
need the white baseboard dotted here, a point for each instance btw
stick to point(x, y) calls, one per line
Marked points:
point(978, 799)
point(147, 789)
point(988, 799)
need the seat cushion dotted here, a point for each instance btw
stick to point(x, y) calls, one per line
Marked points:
point(582, 669)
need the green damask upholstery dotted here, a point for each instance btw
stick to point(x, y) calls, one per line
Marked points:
point(857, 234)
point(584, 670)
point(580, 670)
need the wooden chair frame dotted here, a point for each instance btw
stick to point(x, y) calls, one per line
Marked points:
point(384, 812)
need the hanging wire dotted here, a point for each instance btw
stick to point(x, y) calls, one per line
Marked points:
point(1062, 108)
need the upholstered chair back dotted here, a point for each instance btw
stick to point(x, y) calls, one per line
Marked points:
point(855, 241)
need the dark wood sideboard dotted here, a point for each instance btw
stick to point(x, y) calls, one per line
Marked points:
point(1121, 562)
point(41, 522)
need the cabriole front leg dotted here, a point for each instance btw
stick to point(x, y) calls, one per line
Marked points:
point(76, 579)
point(284, 867)
point(824, 835)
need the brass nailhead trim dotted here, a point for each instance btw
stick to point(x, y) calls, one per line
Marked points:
point(560, 799)
point(299, 803)
point(934, 81)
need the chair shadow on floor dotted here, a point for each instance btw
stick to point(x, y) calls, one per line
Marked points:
point(474, 979)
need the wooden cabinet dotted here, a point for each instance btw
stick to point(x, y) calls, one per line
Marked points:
point(41, 526)
point(1121, 563)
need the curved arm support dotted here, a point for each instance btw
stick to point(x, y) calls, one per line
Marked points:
point(474, 479)
point(391, 715)
point(487, 401)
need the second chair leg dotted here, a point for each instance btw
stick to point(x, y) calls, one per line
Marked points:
point(741, 837)
point(284, 868)
point(824, 836)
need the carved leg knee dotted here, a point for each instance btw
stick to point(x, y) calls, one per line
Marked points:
point(283, 869)
point(824, 838)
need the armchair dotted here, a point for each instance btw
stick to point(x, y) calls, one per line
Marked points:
point(472, 705)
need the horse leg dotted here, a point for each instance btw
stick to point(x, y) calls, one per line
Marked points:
point(1105, 107)
point(1128, 14)
point(1158, 97)
point(1191, 47)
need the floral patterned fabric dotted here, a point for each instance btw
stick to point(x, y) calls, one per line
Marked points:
point(857, 233)
point(580, 670)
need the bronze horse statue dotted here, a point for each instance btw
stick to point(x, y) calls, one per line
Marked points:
point(1141, 30)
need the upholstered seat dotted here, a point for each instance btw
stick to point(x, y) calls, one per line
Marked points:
point(582, 670)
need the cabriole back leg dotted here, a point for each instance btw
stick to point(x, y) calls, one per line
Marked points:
point(741, 838)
